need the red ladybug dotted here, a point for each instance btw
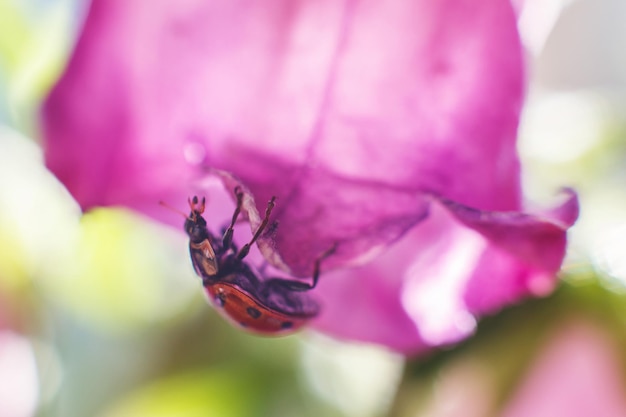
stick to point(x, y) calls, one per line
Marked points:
point(263, 305)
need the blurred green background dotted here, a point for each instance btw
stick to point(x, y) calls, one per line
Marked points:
point(102, 315)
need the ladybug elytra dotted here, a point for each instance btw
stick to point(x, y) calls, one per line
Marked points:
point(262, 305)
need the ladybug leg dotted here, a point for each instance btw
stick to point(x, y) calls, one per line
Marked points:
point(318, 264)
point(303, 286)
point(233, 246)
point(246, 248)
point(227, 238)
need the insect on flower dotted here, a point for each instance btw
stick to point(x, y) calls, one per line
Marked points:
point(263, 305)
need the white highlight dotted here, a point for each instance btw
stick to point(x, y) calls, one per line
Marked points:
point(18, 376)
point(358, 379)
point(608, 253)
point(432, 297)
point(560, 128)
point(536, 21)
point(194, 153)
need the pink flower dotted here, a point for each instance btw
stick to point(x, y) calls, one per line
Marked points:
point(385, 128)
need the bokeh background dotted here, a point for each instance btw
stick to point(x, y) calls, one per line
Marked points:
point(102, 315)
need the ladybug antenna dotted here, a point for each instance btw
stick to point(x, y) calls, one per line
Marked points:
point(175, 210)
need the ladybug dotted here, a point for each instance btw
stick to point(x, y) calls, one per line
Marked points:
point(259, 304)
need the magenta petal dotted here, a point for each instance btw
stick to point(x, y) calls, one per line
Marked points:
point(536, 241)
point(457, 264)
point(387, 216)
point(376, 124)
point(399, 95)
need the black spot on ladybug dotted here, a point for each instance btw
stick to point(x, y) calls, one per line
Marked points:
point(243, 324)
point(286, 325)
point(253, 312)
point(220, 299)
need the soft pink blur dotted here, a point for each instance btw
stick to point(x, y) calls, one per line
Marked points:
point(387, 129)
point(577, 375)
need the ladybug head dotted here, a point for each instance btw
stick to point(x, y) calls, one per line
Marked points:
point(195, 225)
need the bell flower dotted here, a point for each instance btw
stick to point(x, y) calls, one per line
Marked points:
point(386, 130)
